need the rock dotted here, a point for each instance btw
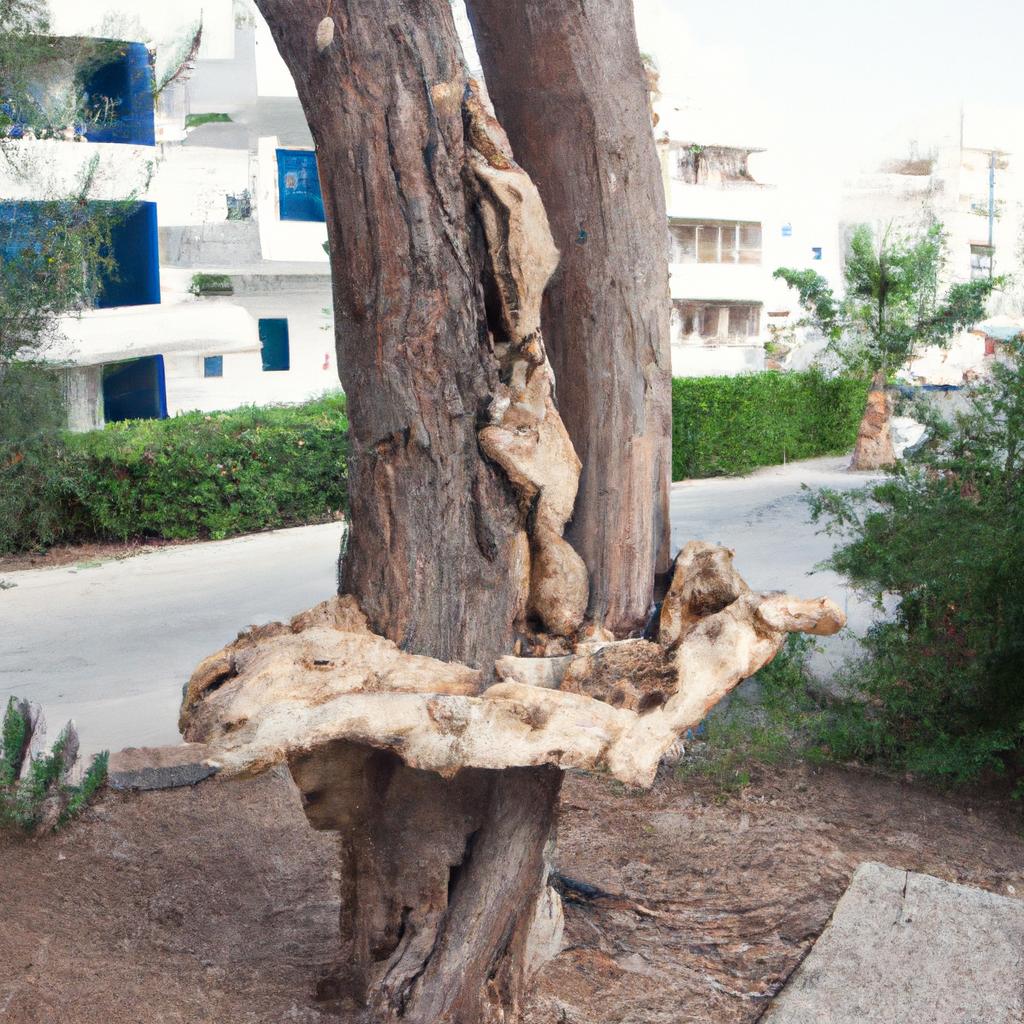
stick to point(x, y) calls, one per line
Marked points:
point(904, 948)
point(161, 767)
point(874, 449)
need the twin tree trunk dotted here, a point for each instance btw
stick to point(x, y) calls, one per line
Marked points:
point(441, 879)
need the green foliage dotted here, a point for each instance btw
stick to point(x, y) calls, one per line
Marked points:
point(35, 794)
point(892, 305)
point(196, 475)
point(211, 284)
point(731, 425)
point(197, 120)
point(939, 692)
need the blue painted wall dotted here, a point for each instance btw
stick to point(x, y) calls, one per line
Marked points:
point(127, 82)
point(298, 183)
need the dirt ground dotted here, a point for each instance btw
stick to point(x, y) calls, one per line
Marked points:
point(217, 904)
point(77, 554)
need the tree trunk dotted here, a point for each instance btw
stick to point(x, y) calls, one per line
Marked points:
point(568, 86)
point(443, 883)
point(432, 523)
point(442, 879)
point(874, 449)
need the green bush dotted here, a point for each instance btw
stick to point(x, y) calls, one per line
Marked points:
point(195, 475)
point(939, 692)
point(731, 425)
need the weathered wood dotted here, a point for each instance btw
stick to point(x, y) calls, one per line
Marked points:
point(440, 882)
point(433, 524)
point(568, 86)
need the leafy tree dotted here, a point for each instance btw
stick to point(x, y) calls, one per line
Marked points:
point(945, 536)
point(893, 303)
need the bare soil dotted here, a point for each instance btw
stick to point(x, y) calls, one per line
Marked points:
point(218, 903)
point(76, 554)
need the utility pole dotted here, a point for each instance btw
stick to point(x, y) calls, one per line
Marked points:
point(991, 211)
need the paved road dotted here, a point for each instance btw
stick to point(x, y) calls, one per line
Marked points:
point(112, 644)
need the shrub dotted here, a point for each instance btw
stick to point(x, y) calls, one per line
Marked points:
point(941, 682)
point(195, 475)
point(35, 794)
point(732, 425)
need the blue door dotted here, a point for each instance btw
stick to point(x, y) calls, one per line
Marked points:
point(135, 390)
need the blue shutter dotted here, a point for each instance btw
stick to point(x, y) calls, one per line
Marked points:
point(298, 183)
point(274, 338)
point(136, 251)
point(123, 88)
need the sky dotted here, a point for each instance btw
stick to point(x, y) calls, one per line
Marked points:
point(848, 77)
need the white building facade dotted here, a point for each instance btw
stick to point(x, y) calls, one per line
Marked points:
point(222, 295)
point(734, 218)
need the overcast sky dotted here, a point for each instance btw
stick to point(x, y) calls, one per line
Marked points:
point(855, 74)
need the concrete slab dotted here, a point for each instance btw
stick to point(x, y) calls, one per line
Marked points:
point(904, 948)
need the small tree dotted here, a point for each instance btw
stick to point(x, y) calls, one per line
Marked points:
point(893, 307)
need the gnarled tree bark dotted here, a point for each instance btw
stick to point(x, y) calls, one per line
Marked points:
point(568, 87)
point(461, 480)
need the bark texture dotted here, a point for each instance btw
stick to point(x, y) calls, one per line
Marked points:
point(433, 523)
point(568, 86)
point(874, 448)
point(444, 894)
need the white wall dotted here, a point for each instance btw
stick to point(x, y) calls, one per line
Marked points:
point(191, 183)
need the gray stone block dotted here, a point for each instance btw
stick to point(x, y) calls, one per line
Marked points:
point(160, 767)
point(904, 948)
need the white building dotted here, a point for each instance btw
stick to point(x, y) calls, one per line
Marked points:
point(223, 295)
point(971, 167)
point(736, 214)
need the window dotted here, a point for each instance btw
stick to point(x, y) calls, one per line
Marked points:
point(981, 261)
point(118, 96)
point(816, 252)
point(298, 184)
point(213, 366)
point(136, 249)
point(274, 338)
point(715, 242)
point(134, 390)
point(710, 321)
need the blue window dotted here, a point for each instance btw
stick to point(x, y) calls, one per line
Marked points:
point(119, 97)
point(816, 252)
point(135, 390)
point(213, 366)
point(787, 230)
point(26, 227)
point(298, 183)
point(274, 338)
point(135, 247)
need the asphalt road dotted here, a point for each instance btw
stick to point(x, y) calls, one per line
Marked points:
point(111, 644)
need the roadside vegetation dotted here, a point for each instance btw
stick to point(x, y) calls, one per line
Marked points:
point(724, 426)
point(36, 792)
point(938, 691)
point(196, 475)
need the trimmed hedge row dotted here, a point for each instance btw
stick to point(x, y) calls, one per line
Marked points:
point(219, 474)
point(727, 426)
point(195, 475)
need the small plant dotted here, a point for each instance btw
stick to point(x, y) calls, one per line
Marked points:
point(35, 794)
point(197, 120)
point(211, 284)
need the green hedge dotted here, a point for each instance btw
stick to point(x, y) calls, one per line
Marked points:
point(195, 475)
point(220, 474)
point(732, 425)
